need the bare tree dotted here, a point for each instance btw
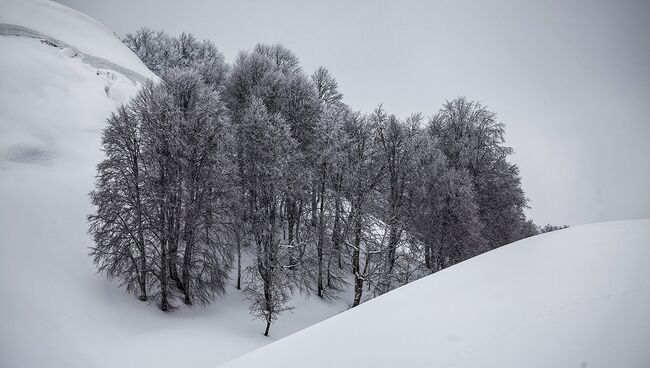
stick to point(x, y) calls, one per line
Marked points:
point(118, 225)
point(400, 144)
point(365, 173)
point(266, 156)
point(163, 190)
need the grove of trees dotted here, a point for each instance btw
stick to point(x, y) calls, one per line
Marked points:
point(257, 174)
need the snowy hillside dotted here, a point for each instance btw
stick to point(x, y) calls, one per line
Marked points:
point(62, 73)
point(577, 298)
point(69, 28)
point(572, 298)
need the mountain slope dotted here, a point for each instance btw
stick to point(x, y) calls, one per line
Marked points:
point(578, 297)
point(59, 24)
point(61, 74)
point(55, 310)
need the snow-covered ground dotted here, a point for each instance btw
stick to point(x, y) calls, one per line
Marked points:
point(58, 23)
point(55, 311)
point(578, 297)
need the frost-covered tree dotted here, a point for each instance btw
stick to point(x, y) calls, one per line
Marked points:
point(364, 175)
point(294, 96)
point(119, 226)
point(163, 191)
point(446, 223)
point(473, 139)
point(400, 146)
point(325, 156)
point(203, 56)
point(161, 52)
point(528, 229)
point(548, 228)
point(266, 153)
point(455, 223)
point(152, 47)
point(271, 74)
point(207, 177)
point(329, 231)
point(327, 87)
point(216, 161)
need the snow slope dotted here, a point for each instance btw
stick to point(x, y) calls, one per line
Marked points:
point(578, 297)
point(62, 72)
point(58, 23)
point(55, 311)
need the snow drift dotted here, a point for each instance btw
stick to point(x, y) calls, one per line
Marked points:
point(578, 297)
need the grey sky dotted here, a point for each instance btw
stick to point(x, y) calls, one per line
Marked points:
point(571, 80)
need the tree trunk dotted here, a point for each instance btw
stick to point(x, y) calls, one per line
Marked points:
point(188, 236)
point(321, 232)
point(266, 278)
point(187, 261)
point(389, 261)
point(143, 256)
point(164, 303)
point(336, 229)
point(174, 230)
point(356, 255)
point(268, 325)
point(314, 202)
point(238, 241)
point(427, 255)
point(268, 298)
point(298, 217)
point(291, 223)
point(164, 239)
point(173, 270)
point(392, 249)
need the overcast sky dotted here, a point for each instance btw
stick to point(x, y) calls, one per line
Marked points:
point(571, 80)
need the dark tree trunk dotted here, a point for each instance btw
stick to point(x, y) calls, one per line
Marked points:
point(336, 228)
point(173, 267)
point(321, 232)
point(393, 241)
point(174, 230)
point(164, 266)
point(298, 217)
point(143, 256)
point(356, 255)
point(268, 326)
point(187, 261)
point(164, 303)
point(238, 241)
point(188, 236)
point(314, 202)
point(291, 223)
point(264, 265)
point(292, 214)
point(389, 262)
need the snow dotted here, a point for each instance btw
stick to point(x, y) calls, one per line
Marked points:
point(578, 297)
point(60, 23)
point(575, 297)
point(56, 311)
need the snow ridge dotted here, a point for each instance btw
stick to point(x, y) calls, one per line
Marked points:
point(71, 51)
